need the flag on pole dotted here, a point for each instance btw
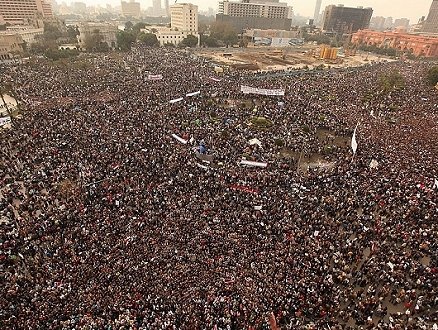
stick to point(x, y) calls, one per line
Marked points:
point(353, 140)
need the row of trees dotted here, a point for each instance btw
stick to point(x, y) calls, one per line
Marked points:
point(211, 34)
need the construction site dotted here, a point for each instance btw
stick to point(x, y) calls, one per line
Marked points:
point(287, 58)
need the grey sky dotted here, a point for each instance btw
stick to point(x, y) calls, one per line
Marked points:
point(412, 10)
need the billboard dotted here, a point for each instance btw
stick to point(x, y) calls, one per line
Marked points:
point(278, 42)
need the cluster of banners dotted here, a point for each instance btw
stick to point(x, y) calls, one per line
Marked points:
point(155, 77)
point(261, 91)
point(187, 95)
point(4, 120)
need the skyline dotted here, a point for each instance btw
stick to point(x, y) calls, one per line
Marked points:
point(389, 8)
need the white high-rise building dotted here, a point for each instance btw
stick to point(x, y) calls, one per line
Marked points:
point(317, 11)
point(166, 7)
point(184, 17)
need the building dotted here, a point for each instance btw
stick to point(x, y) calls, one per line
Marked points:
point(166, 7)
point(340, 20)
point(11, 44)
point(255, 14)
point(402, 22)
point(430, 25)
point(22, 11)
point(377, 23)
point(184, 17)
point(317, 11)
point(156, 7)
point(399, 39)
point(27, 33)
point(131, 9)
point(107, 31)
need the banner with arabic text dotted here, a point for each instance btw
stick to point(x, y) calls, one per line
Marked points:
point(261, 91)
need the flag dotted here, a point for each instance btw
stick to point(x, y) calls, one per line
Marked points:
point(436, 183)
point(273, 321)
point(353, 141)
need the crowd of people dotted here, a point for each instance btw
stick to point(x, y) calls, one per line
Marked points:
point(110, 222)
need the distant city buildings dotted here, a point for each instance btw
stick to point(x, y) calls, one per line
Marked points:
point(340, 20)
point(131, 9)
point(380, 23)
point(255, 14)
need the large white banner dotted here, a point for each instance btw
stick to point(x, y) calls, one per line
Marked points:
point(261, 91)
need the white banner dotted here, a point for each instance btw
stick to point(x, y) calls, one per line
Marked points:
point(251, 163)
point(176, 100)
point(155, 77)
point(193, 94)
point(4, 120)
point(261, 91)
point(180, 139)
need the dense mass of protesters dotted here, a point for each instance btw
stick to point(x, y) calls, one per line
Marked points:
point(108, 222)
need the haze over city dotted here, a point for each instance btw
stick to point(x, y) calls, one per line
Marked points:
point(412, 10)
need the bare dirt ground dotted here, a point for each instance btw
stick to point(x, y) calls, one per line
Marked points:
point(282, 58)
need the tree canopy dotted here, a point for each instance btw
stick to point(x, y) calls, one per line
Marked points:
point(149, 39)
point(190, 41)
point(432, 75)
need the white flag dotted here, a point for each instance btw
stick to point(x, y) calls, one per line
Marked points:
point(353, 141)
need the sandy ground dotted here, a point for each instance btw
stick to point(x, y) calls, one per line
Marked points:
point(282, 58)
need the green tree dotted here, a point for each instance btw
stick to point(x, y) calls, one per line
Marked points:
point(388, 82)
point(72, 33)
point(149, 39)
point(217, 30)
point(230, 38)
point(190, 41)
point(138, 27)
point(125, 39)
point(432, 75)
point(128, 26)
point(211, 42)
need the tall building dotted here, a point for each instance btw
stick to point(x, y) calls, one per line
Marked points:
point(156, 7)
point(184, 17)
point(131, 9)
point(401, 22)
point(342, 20)
point(21, 11)
point(317, 11)
point(166, 7)
point(255, 14)
point(430, 25)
